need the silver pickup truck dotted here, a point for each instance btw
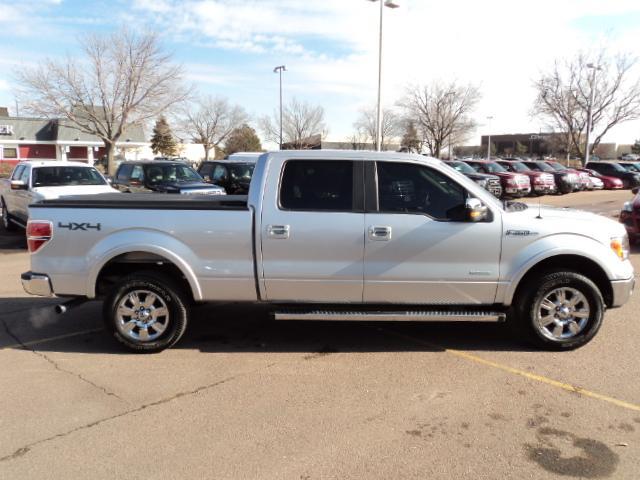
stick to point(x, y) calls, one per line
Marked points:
point(333, 235)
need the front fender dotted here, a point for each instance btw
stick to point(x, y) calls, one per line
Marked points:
point(142, 240)
point(516, 265)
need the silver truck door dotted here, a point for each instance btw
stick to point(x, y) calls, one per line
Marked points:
point(312, 234)
point(418, 247)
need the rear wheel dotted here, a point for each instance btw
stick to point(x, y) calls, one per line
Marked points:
point(146, 312)
point(560, 311)
point(8, 225)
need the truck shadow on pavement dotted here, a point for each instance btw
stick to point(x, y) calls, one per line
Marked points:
point(238, 329)
point(12, 241)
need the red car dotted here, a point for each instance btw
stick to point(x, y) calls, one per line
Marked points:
point(585, 183)
point(610, 183)
point(630, 216)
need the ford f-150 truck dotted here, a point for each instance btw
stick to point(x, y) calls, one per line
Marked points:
point(38, 180)
point(333, 235)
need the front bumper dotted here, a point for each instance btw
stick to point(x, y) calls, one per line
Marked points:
point(541, 188)
point(519, 191)
point(36, 284)
point(622, 290)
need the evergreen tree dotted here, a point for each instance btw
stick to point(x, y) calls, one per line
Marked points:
point(242, 139)
point(410, 140)
point(162, 140)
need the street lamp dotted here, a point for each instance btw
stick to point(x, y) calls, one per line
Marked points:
point(489, 142)
point(590, 112)
point(279, 69)
point(389, 4)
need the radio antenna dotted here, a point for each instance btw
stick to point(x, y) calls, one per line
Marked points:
point(539, 209)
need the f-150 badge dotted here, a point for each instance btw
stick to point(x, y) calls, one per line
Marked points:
point(520, 233)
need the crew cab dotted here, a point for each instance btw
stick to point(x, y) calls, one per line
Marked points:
point(514, 185)
point(163, 177)
point(333, 235)
point(31, 181)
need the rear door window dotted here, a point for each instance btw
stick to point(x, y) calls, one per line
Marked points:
point(318, 185)
point(219, 173)
point(124, 172)
point(137, 173)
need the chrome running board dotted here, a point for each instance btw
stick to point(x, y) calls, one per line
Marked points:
point(398, 316)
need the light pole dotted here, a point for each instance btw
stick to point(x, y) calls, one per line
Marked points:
point(389, 4)
point(489, 137)
point(590, 112)
point(279, 69)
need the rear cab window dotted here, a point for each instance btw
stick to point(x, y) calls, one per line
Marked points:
point(58, 176)
point(317, 185)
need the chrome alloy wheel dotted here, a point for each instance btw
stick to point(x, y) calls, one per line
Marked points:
point(562, 314)
point(142, 316)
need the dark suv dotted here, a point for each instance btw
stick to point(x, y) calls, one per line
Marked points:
point(161, 176)
point(233, 176)
point(612, 169)
point(566, 182)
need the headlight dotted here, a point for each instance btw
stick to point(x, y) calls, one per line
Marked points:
point(620, 246)
point(627, 207)
point(482, 182)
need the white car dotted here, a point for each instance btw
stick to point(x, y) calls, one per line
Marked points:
point(32, 181)
point(630, 157)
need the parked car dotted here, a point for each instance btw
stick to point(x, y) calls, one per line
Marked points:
point(612, 169)
point(513, 184)
point(608, 183)
point(585, 181)
point(233, 175)
point(541, 182)
point(32, 181)
point(566, 182)
point(630, 216)
point(337, 236)
point(162, 176)
point(630, 157)
point(491, 183)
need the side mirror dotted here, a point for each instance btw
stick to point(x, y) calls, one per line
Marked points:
point(635, 190)
point(18, 185)
point(109, 179)
point(476, 210)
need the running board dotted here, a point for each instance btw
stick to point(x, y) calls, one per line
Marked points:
point(399, 316)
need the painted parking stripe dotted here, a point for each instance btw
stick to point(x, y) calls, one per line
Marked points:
point(515, 371)
point(50, 339)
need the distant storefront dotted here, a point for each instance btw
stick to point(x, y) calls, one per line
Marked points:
point(23, 138)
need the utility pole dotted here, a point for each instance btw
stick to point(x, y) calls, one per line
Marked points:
point(279, 69)
point(590, 111)
point(489, 142)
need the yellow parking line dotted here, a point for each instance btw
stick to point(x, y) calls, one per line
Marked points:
point(522, 373)
point(50, 339)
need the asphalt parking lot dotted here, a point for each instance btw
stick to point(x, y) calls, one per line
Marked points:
point(243, 397)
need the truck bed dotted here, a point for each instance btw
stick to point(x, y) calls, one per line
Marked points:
point(148, 201)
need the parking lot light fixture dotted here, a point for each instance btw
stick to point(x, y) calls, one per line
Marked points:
point(489, 138)
point(279, 69)
point(388, 4)
point(595, 68)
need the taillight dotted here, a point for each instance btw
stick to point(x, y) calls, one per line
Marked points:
point(38, 233)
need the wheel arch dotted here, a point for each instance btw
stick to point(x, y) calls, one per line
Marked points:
point(569, 262)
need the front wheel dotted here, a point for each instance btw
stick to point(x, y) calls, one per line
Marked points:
point(146, 312)
point(560, 311)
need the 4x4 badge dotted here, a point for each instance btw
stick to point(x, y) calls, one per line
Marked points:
point(79, 226)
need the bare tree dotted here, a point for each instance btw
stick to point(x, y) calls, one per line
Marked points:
point(210, 121)
point(440, 112)
point(564, 94)
point(125, 79)
point(300, 121)
point(391, 125)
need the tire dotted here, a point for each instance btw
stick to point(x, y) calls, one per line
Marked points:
point(8, 225)
point(558, 334)
point(134, 312)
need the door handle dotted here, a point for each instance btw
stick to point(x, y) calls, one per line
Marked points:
point(278, 231)
point(379, 233)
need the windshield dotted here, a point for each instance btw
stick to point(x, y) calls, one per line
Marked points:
point(630, 167)
point(520, 167)
point(171, 173)
point(63, 176)
point(543, 167)
point(241, 171)
point(493, 167)
point(461, 167)
point(557, 166)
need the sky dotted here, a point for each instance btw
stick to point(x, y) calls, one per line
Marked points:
point(330, 48)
